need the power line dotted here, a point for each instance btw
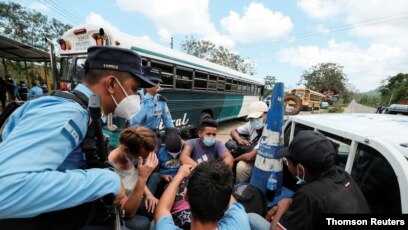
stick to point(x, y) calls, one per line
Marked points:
point(403, 15)
point(65, 9)
point(62, 13)
point(357, 24)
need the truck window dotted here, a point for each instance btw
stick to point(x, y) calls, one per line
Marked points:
point(377, 180)
point(342, 145)
point(298, 127)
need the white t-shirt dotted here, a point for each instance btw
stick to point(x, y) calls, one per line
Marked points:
point(128, 178)
point(248, 130)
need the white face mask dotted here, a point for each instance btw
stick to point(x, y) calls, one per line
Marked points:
point(174, 155)
point(128, 107)
point(256, 123)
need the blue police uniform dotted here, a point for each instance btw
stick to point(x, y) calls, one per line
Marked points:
point(35, 92)
point(40, 159)
point(152, 110)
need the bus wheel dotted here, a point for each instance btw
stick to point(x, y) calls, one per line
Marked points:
point(298, 104)
point(203, 116)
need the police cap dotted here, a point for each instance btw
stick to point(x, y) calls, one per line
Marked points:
point(113, 58)
point(153, 74)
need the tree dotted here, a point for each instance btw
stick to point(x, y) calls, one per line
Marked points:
point(217, 54)
point(29, 26)
point(199, 48)
point(394, 89)
point(326, 76)
point(269, 84)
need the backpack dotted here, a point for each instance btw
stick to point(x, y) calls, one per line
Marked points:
point(14, 105)
point(251, 197)
point(237, 150)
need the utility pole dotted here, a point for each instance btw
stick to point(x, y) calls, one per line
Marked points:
point(392, 94)
point(171, 43)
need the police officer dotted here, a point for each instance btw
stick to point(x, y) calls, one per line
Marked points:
point(35, 91)
point(12, 88)
point(44, 87)
point(23, 91)
point(153, 107)
point(41, 155)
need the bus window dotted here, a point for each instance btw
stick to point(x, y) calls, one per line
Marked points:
point(72, 69)
point(80, 71)
point(377, 180)
point(183, 78)
point(221, 84)
point(234, 86)
point(258, 90)
point(240, 84)
point(244, 88)
point(228, 86)
point(212, 83)
point(144, 62)
point(66, 73)
point(200, 81)
point(167, 73)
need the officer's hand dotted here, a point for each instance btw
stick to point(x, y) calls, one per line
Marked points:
point(144, 170)
point(185, 170)
point(243, 142)
point(167, 178)
point(150, 203)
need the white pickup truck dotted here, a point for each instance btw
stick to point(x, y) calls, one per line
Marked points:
point(373, 148)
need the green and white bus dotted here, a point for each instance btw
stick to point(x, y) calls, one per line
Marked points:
point(194, 88)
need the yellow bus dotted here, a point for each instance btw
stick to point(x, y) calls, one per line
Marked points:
point(310, 99)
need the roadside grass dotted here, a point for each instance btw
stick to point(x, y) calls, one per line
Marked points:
point(337, 107)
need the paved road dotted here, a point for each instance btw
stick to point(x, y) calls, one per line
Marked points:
point(354, 107)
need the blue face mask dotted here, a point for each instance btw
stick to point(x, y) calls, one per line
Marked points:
point(300, 181)
point(208, 141)
point(256, 123)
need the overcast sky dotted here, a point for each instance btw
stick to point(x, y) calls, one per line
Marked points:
point(283, 37)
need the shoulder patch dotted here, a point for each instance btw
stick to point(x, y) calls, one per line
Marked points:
point(72, 132)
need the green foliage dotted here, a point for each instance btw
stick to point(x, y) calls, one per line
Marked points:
point(269, 84)
point(29, 26)
point(394, 89)
point(217, 54)
point(371, 100)
point(328, 76)
point(336, 109)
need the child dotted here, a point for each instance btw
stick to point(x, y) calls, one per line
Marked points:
point(168, 155)
point(169, 164)
point(136, 143)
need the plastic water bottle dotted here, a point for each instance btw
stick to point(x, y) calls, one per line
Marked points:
point(271, 186)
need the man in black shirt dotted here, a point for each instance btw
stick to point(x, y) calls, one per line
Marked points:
point(327, 188)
